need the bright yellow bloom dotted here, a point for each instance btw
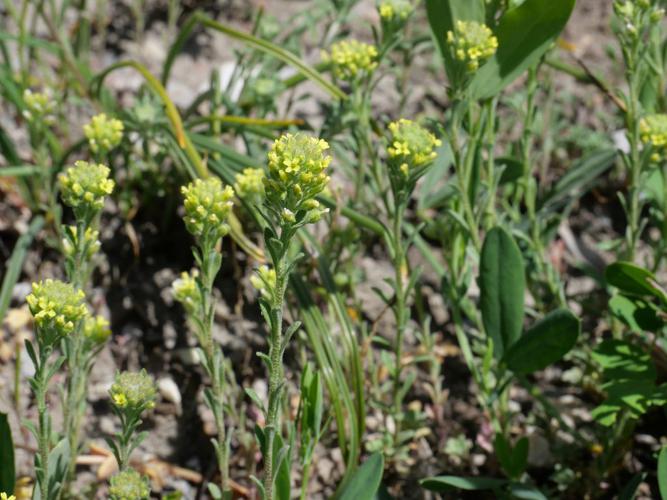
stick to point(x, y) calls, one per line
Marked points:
point(56, 307)
point(352, 58)
point(472, 43)
point(103, 133)
point(653, 131)
point(3, 496)
point(85, 185)
point(133, 390)
point(128, 485)
point(297, 174)
point(411, 146)
point(250, 184)
point(207, 207)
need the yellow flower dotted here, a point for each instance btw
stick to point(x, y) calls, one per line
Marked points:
point(352, 59)
point(207, 207)
point(103, 133)
point(56, 307)
point(472, 43)
point(411, 146)
point(84, 186)
point(4, 496)
point(133, 390)
point(297, 174)
point(653, 132)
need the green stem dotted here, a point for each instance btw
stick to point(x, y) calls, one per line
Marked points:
point(400, 312)
point(43, 431)
point(275, 374)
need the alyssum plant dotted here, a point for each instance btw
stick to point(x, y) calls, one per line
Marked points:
point(207, 206)
point(296, 175)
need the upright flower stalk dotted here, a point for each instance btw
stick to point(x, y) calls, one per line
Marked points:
point(637, 20)
point(131, 394)
point(411, 150)
point(207, 207)
point(58, 308)
point(84, 188)
point(296, 175)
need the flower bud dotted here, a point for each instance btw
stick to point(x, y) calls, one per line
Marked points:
point(352, 59)
point(40, 106)
point(250, 184)
point(96, 329)
point(472, 43)
point(207, 207)
point(57, 307)
point(394, 10)
point(186, 291)
point(134, 391)
point(264, 281)
point(84, 187)
point(129, 485)
point(103, 133)
point(91, 241)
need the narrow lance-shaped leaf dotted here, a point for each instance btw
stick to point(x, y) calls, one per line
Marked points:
point(502, 285)
point(364, 483)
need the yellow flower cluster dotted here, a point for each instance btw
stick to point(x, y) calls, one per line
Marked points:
point(3, 496)
point(96, 329)
point(85, 185)
point(128, 485)
point(391, 10)
point(250, 183)
point(207, 207)
point(39, 106)
point(57, 307)
point(653, 131)
point(186, 292)
point(411, 146)
point(352, 58)
point(91, 237)
point(265, 280)
point(297, 174)
point(472, 43)
point(134, 391)
point(103, 133)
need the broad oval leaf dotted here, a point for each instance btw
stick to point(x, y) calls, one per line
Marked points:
point(546, 342)
point(524, 34)
point(449, 483)
point(636, 313)
point(365, 481)
point(633, 279)
point(502, 285)
point(7, 464)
